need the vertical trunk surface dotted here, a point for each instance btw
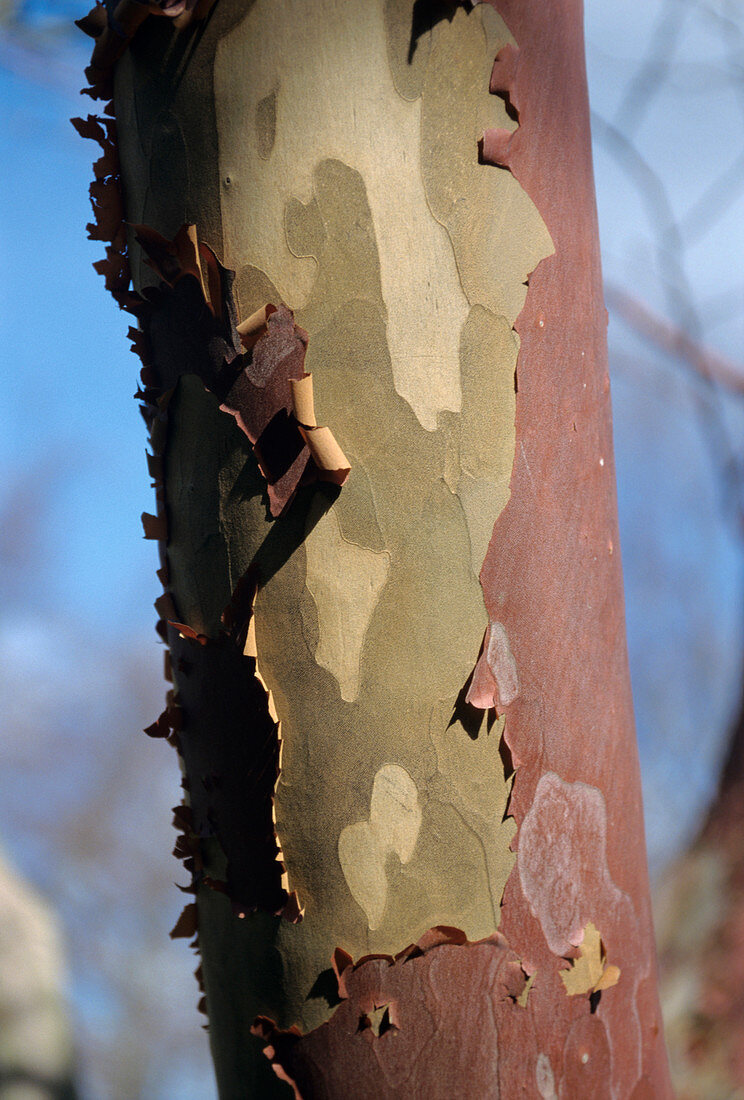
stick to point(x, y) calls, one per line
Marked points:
point(402, 699)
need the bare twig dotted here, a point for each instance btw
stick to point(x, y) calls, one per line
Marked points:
point(673, 339)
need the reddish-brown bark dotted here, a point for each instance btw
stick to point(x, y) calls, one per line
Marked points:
point(552, 576)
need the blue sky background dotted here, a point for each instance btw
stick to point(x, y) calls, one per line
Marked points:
point(84, 796)
point(70, 429)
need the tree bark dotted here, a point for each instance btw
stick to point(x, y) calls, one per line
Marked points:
point(434, 648)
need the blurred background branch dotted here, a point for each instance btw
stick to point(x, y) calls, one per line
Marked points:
point(668, 124)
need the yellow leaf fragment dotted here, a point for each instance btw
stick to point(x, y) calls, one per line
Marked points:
point(610, 977)
point(590, 972)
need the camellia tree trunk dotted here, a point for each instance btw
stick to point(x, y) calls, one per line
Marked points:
point(363, 249)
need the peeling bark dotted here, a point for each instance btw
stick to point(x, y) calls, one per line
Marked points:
point(386, 739)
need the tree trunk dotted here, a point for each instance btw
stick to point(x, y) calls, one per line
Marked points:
point(435, 646)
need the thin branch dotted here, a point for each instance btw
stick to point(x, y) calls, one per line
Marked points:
point(650, 75)
point(660, 213)
point(672, 339)
point(717, 198)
